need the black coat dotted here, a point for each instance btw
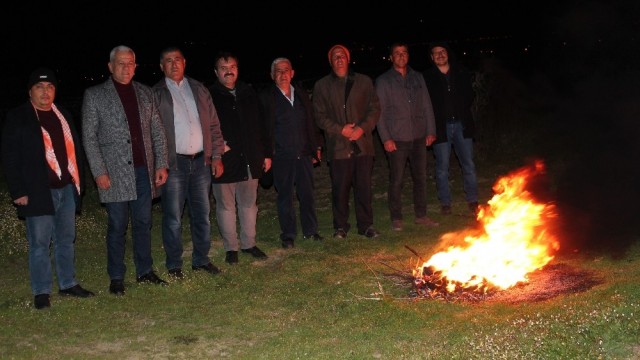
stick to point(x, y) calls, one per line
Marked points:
point(462, 81)
point(25, 164)
point(312, 136)
point(244, 131)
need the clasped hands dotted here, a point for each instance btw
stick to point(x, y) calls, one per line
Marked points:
point(352, 131)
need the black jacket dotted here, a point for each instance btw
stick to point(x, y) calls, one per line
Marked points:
point(463, 97)
point(244, 130)
point(25, 164)
point(312, 135)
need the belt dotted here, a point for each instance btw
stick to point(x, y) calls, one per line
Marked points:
point(192, 156)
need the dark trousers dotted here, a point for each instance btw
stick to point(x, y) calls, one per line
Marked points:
point(118, 221)
point(346, 174)
point(416, 153)
point(290, 175)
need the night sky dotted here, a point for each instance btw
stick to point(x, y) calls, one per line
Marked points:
point(76, 39)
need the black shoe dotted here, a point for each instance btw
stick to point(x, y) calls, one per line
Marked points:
point(232, 257)
point(370, 232)
point(176, 273)
point(255, 252)
point(152, 278)
point(315, 236)
point(445, 209)
point(117, 287)
point(76, 290)
point(287, 243)
point(41, 301)
point(209, 267)
point(340, 234)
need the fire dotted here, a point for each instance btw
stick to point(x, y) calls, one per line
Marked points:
point(514, 238)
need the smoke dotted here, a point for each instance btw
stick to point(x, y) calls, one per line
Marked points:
point(595, 64)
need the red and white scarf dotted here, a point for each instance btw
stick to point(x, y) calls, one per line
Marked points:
point(68, 142)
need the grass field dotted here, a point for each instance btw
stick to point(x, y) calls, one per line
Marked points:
point(333, 299)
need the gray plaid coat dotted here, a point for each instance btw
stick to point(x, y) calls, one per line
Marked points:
point(106, 138)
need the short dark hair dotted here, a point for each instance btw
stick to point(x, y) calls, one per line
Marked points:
point(169, 49)
point(397, 44)
point(225, 55)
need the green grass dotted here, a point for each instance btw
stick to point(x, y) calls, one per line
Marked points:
point(333, 299)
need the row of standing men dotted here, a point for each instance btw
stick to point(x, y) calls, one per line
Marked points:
point(180, 139)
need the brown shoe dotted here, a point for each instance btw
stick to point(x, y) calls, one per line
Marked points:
point(426, 221)
point(396, 225)
point(370, 232)
point(445, 210)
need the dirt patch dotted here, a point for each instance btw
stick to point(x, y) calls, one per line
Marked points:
point(551, 281)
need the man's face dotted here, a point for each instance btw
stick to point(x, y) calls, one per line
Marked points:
point(42, 95)
point(339, 62)
point(227, 72)
point(123, 67)
point(400, 57)
point(172, 65)
point(439, 55)
point(282, 74)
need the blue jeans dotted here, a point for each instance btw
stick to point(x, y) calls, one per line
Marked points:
point(244, 194)
point(118, 214)
point(189, 183)
point(60, 229)
point(464, 152)
point(416, 153)
point(293, 178)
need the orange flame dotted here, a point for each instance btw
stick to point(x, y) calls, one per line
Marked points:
point(514, 239)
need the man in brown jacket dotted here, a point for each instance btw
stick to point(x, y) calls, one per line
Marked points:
point(347, 109)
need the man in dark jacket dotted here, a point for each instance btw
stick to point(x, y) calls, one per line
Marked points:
point(296, 138)
point(43, 163)
point(347, 108)
point(406, 127)
point(451, 91)
point(247, 145)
